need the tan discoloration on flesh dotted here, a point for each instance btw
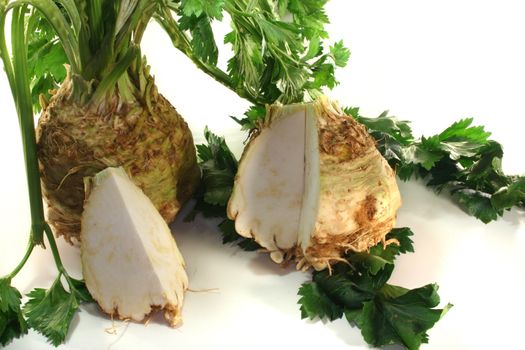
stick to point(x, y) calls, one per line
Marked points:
point(75, 141)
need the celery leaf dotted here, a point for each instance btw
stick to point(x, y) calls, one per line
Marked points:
point(386, 314)
point(12, 322)
point(51, 311)
point(461, 159)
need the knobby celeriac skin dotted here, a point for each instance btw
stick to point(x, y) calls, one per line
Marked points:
point(358, 195)
point(145, 136)
point(346, 193)
point(130, 260)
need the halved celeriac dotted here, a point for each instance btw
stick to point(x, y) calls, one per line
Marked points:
point(312, 186)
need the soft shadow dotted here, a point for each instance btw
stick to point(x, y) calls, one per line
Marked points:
point(344, 331)
point(516, 217)
point(261, 264)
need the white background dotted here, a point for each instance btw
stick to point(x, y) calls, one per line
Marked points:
point(428, 62)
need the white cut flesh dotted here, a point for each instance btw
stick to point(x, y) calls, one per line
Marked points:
point(266, 201)
point(130, 261)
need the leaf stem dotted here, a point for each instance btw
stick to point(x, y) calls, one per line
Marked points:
point(54, 250)
point(182, 43)
point(67, 36)
point(17, 72)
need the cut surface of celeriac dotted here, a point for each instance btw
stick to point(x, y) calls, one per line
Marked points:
point(272, 184)
point(312, 186)
point(130, 260)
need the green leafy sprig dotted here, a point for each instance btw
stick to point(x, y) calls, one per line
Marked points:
point(461, 160)
point(51, 311)
point(278, 51)
point(386, 314)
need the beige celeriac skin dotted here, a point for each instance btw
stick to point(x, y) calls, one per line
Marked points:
point(145, 136)
point(345, 193)
point(130, 260)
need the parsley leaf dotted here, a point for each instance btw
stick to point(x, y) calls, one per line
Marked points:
point(314, 303)
point(403, 319)
point(50, 311)
point(509, 196)
point(12, 322)
point(475, 203)
point(46, 59)
point(219, 166)
point(386, 314)
point(379, 255)
point(212, 9)
point(340, 54)
point(202, 41)
point(252, 117)
point(229, 235)
point(310, 16)
point(278, 48)
point(461, 159)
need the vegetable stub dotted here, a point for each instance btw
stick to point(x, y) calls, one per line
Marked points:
point(312, 186)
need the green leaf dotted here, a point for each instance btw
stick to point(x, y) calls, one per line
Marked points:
point(202, 40)
point(12, 322)
point(324, 76)
point(50, 312)
point(278, 32)
point(212, 9)
point(402, 235)
point(229, 235)
point(487, 167)
point(399, 129)
point(420, 155)
point(218, 182)
point(46, 59)
point(340, 54)
point(252, 118)
point(79, 289)
point(282, 7)
point(314, 49)
point(510, 196)
point(476, 203)
point(246, 66)
point(379, 256)
point(315, 303)
point(219, 167)
point(462, 130)
point(350, 289)
point(386, 314)
point(404, 319)
point(460, 159)
point(310, 16)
